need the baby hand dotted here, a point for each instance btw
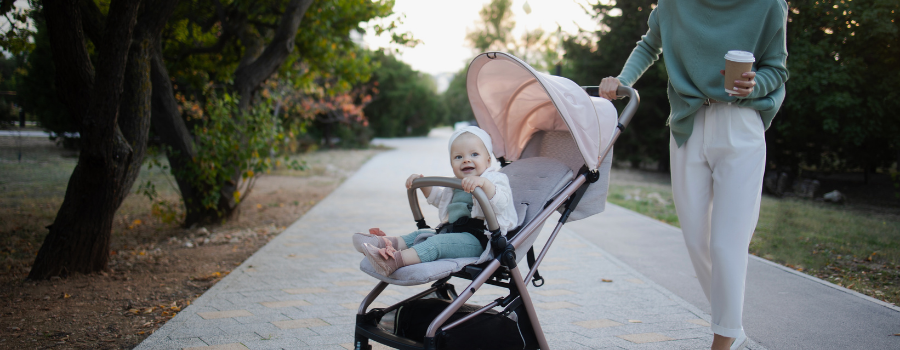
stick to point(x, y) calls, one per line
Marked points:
point(412, 177)
point(469, 184)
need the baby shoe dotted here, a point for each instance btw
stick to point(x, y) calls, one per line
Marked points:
point(375, 238)
point(384, 260)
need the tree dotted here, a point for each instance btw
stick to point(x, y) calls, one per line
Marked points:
point(840, 110)
point(238, 45)
point(592, 56)
point(456, 99)
point(111, 102)
point(10, 74)
point(37, 92)
point(406, 101)
point(494, 32)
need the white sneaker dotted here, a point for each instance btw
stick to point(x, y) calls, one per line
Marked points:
point(740, 342)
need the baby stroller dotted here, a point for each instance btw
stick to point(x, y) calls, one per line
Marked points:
point(553, 140)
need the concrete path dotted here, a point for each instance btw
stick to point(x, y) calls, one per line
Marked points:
point(301, 290)
point(783, 308)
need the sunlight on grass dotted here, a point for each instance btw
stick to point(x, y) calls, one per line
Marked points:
point(653, 201)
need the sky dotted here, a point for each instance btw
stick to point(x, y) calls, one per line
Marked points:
point(441, 25)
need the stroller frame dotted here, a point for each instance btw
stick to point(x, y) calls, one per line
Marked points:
point(500, 271)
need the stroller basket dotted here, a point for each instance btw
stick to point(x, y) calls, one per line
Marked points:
point(555, 141)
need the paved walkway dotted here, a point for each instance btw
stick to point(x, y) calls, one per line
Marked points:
point(301, 290)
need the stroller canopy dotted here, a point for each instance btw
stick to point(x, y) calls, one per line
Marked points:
point(512, 102)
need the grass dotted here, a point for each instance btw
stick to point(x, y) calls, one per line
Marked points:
point(32, 190)
point(849, 247)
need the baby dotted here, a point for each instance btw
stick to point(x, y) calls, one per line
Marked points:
point(462, 232)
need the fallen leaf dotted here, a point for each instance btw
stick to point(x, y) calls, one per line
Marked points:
point(606, 280)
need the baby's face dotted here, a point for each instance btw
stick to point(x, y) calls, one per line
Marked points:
point(468, 156)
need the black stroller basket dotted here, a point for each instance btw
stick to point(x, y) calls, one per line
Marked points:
point(439, 318)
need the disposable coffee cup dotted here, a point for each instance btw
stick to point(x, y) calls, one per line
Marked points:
point(736, 63)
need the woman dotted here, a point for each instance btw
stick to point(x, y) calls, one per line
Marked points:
point(717, 144)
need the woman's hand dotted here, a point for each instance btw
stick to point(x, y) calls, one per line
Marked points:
point(743, 88)
point(608, 87)
point(469, 184)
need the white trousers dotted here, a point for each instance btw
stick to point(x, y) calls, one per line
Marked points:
point(717, 180)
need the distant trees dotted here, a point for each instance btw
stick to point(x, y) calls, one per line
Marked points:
point(840, 112)
point(456, 98)
point(9, 109)
point(406, 102)
point(494, 32)
point(841, 109)
point(590, 57)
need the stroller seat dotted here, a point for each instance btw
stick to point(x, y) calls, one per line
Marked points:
point(534, 182)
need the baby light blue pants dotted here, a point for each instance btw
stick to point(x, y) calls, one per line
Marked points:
point(444, 246)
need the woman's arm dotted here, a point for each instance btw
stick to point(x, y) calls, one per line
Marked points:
point(772, 71)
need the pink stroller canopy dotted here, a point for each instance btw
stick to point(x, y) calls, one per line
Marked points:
point(512, 102)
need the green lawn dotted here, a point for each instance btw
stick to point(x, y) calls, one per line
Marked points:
point(841, 244)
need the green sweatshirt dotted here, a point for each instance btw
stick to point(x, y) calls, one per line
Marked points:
point(695, 36)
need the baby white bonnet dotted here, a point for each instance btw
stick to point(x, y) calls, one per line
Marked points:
point(485, 139)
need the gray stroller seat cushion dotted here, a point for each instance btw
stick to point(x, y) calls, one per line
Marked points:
point(419, 273)
point(533, 181)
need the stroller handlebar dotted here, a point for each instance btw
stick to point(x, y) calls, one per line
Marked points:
point(623, 91)
point(450, 182)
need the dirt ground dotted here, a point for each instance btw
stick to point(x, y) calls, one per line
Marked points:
point(156, 268)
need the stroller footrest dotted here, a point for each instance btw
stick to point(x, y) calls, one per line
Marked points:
point(372, 332)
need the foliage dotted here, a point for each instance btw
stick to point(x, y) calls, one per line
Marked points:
point(10, 74)
point(592, 56)
point(494, 32)
point(206, 41)
point(38, 88)
point(456, 98)
point(406, 101)
point(315, 112)
point(15, 33)
point(166, 211)
point(840, 110)
point(229, 142)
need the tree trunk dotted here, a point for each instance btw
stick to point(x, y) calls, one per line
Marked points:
point(173, 132)
point(253, 72)
point(114, 127)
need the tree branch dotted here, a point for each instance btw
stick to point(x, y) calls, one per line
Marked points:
point(248, 76)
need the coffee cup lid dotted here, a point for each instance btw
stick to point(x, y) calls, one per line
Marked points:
point(740, 56)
